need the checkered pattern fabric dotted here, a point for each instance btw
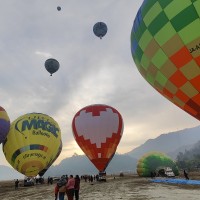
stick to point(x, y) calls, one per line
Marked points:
point(165, 45)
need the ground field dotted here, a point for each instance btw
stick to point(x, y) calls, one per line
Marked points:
point(127, 187)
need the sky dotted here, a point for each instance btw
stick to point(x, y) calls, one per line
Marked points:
point(92, 70)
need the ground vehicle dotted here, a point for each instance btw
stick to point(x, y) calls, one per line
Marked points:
point(165, 172)
point(102, 176)
point(28, 182)
point(56, 178)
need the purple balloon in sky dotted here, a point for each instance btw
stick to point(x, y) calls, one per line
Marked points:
point(4, 124)
point(4, 129)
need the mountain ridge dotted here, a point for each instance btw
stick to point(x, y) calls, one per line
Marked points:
point(170, 143)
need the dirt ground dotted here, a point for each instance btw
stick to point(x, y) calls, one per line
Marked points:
point(127, 187)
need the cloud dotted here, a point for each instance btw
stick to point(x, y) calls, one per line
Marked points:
point(44, 54)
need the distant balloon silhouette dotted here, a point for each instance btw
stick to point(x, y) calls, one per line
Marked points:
point(100, 29)
point(59, 8)
point(165, 45)
point(51, 65)
point(4, 124)
point(97, 130)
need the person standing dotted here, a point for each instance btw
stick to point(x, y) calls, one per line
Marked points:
point(77, 187)
point(186, 175)
point(60, 189)
point(16, 184)
point(56, 190)
point(70, 187)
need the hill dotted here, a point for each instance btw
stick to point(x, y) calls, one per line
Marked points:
point(81, 165)
point(170, 143)
point(8, 173)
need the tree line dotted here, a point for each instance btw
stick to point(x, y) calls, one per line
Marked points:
point(190, 159)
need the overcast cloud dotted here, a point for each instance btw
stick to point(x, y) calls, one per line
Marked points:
point(91, 70)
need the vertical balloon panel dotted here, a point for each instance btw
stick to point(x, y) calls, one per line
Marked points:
point(165, 45)
point(4, 124)
point(33, 141)
point(97, 130)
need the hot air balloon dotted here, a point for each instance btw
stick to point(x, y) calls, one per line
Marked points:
point(100, 29)
point(4, 124)
point(97, 130)
point(165, 45)
point(32, 143)
point(154, 161)
point(41, 173)
point(59, 8)
point(51, 65)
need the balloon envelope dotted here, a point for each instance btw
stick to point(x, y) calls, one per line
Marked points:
point(41, 173)
point(51, 65)
point(97, 130)
point(165, 45)
point(32, 143)
point(100, 29)
point(4, 124)
point(152, 161)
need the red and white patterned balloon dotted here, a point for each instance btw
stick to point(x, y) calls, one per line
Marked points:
point(97, 130)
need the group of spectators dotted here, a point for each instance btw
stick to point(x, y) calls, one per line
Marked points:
point(69, 186)
point(90, 178)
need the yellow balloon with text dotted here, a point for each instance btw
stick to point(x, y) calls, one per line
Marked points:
point(33, 143)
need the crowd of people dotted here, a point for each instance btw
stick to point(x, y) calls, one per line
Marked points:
point(69, 186)
point(65, 186)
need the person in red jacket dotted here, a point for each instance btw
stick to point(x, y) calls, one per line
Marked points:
point(56, 190)
point(77, 187)
point(70, 187)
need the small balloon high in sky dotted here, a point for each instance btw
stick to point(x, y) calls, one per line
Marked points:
point(100, 29)
point(59, 8)
point(51, 65)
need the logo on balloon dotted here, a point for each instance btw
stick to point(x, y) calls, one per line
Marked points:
point(35, 154)
point(195, 48)
point(25, 124)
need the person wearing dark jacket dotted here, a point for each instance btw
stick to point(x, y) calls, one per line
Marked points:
point(16, 184)
point(60, 189)
point(77, 187)
point(186, 175)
